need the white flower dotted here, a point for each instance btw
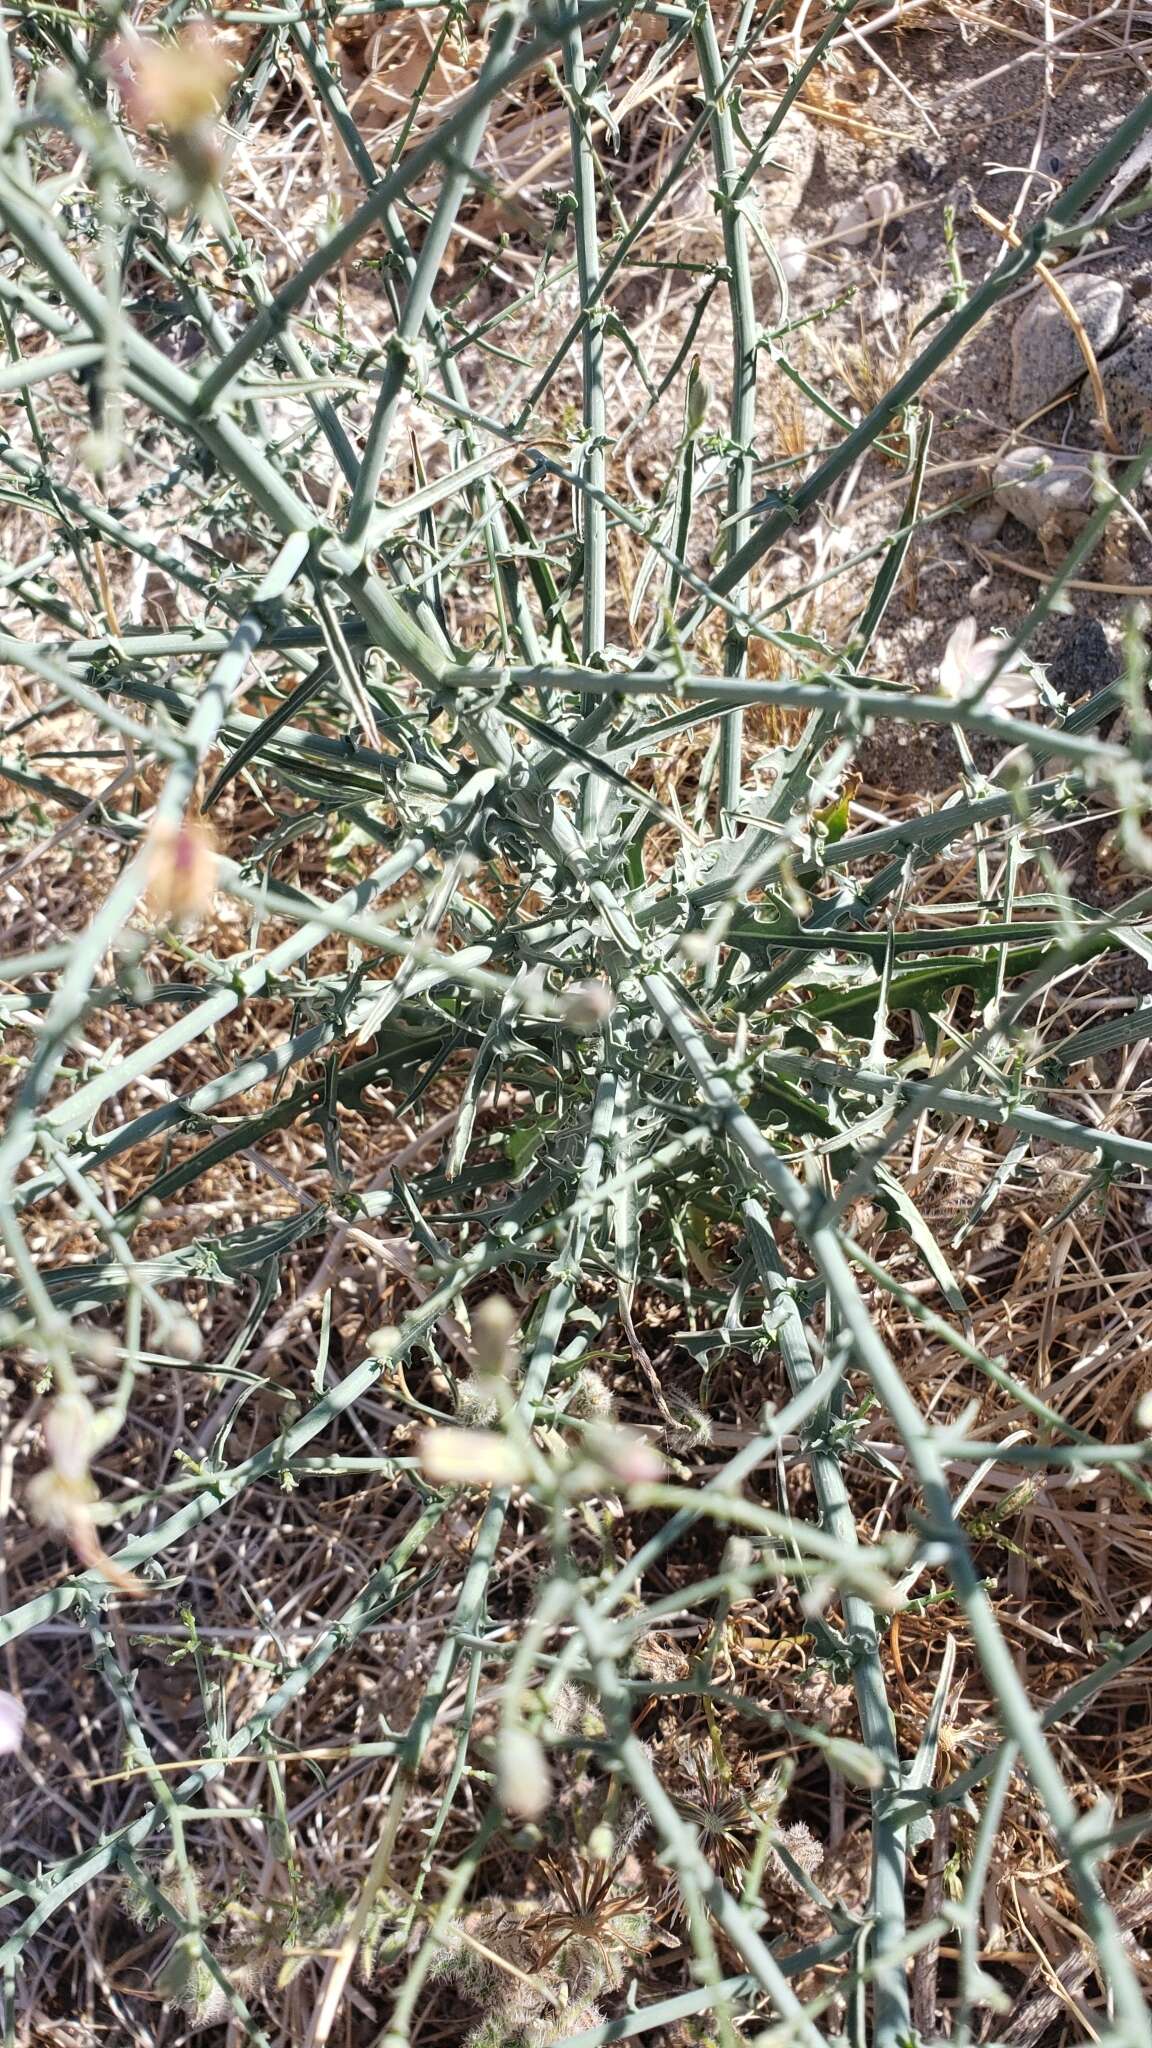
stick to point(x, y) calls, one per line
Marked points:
point(968, 662)
point(64, 1496)
point(71, 1433)
point(64, 1493)
point(12, 1718)
point(59, 1503)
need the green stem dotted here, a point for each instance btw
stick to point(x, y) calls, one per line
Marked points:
point(892, 2017)
point(1017, 1714)
point(454, 185)
point(731, 201)
point(1014, 266)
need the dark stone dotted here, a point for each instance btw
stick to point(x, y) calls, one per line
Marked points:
point(925, 169)
point(1083, 662)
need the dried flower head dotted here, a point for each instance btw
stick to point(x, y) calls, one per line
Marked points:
point(589, 1911)
point(724, 1812)
point(802, 1849)
point(180, 86)
point(476, 1402)
point(550, 2028)
point(568, 1707)
point(182, 868)
point(591, 1397)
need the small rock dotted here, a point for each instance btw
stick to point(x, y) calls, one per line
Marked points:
point(1083, 662)
point(927, 170)
point(1127, 381)
point(1046, 356)
point(1050, 491)
point(985, 524)
point(874, 206)
point(792, 255)
point(780, 186)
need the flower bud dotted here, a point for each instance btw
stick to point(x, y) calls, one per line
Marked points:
point(470, 1457)
point(739, 1554)
point(181, 873)
point(180, 1338)
point(523, 1780)
point(586, 1005)
point(602, 1844)
point(495, 1327)
point(854, 1761)
point(628, 1458)
point(698, 400)
point(99, 1347)
point(384, 1343)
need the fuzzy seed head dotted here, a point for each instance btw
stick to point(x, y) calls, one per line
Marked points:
point(180, 86)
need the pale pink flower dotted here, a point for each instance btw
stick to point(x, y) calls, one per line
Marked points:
point(586, 1005)
point(182, 867)
point(180, 85)
point(628, 1457)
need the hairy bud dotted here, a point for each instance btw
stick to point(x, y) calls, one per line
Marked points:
point(523, 1780)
